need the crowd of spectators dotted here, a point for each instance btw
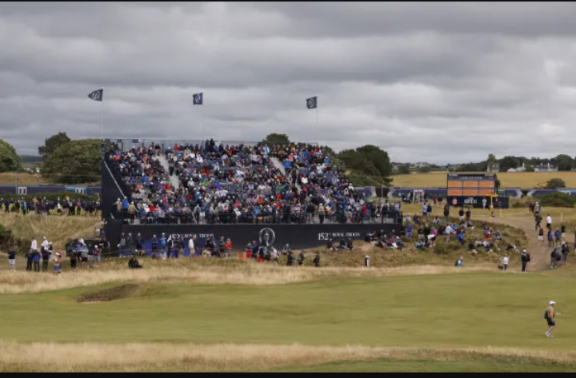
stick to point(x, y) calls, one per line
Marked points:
point(43, 206)
point(219, 183)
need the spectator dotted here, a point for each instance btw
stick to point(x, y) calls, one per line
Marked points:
point(57, 261)
point(460, 262)
point(73, 255)
point(301, 258)
point(290, 259)
point(317, 260)
point(540, 235)
point(36, 258)
point(11, 260)
point(505, 260)
point(122, 246)
point(550, 239)
point(367, 261)
point(448, 231)
point(525, 260)
point(557, 237)
point(45, 257)
point(565, 250)
point(549, 222)
point(563, 231)
point(133, 263)
point(139, 245)
point(287, 249)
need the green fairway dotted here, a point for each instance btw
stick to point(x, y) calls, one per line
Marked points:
point(417, 311)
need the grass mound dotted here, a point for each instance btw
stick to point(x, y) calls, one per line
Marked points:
point(57, 229)
point(112, 294)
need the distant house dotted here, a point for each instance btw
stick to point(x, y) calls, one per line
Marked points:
point(493, 168)
point(419, 165)
point(545, 168)
point(519, 169)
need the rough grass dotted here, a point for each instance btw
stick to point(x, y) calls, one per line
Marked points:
point(57, 229)
point(527, 180)
point(205, 272)
point(174, 357)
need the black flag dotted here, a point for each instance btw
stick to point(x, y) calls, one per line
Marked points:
point(97, 95)
point(198, 98)
point(312, 102)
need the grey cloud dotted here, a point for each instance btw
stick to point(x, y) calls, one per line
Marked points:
point(438, 82)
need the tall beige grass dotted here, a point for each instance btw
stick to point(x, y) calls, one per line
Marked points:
point(247, 273)
point(68, 357)
point(57, 229)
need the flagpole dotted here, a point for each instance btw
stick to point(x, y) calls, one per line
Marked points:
point(202, 116)
point(316, 111)
point(102, 115)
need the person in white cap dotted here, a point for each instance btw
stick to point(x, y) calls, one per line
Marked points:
point(367, 261)
point(549, 315)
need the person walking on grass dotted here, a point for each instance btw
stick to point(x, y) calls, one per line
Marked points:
point(550, 239)
point(538, 220)
point(317, 260)
point(563, 231)
point(540, 235)
point(301, 258)
point(565, 250)
point(525, 260)
point(550, 316)
point(557, 237)
point(549, 222)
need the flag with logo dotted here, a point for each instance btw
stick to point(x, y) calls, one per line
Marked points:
point(97, 95)
point(312, 102)
point(198, 98)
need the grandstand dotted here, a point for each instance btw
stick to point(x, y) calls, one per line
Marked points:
point(189, 185)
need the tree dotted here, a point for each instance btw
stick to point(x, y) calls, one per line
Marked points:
point(276, 138)
point(426, 169)
point(509, 162)
point(491, 159)
point(52, 143)
point(564, 162)
point(555, 183)
point(529, 168)
point(9, 159)
point(403, 169)
point(378, 157)
point(78, 161)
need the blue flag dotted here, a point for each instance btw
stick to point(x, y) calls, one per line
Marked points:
point(198, 98)
point(312, 102)
point(97, 95)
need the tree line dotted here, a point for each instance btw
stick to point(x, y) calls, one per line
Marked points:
point(563, 162)
point(68, 161)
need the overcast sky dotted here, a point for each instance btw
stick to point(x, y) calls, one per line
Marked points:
point(436, 82)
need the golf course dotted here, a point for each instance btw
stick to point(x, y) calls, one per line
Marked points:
point(411, 311)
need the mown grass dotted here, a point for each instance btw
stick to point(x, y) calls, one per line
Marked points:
point(428, 311)
point(526, 180)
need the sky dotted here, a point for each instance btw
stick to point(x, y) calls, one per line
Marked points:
point(434, 82)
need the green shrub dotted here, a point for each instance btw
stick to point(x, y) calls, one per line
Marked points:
point(519, 205)
point(7, 240)
point(555, 183)
point(556, 200)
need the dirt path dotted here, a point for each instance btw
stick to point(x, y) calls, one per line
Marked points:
point(539, 253)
